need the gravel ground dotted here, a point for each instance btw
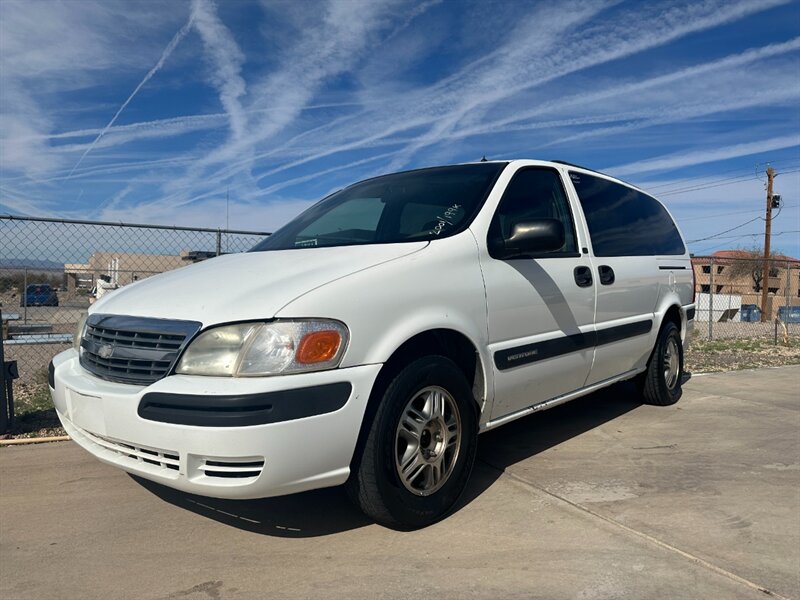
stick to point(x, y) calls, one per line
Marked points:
point(745, 331)
point(36, 417)
point(732, 355)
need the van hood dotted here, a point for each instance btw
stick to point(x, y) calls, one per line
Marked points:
point(248, 286)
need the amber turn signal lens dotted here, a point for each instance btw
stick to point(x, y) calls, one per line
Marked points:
point(318, 346)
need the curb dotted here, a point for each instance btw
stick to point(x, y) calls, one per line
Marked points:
point(39, 440)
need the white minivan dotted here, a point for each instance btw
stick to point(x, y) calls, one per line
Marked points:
point(371, 339)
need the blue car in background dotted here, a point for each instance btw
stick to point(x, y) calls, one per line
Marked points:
point(789, 314)
point(39, 294)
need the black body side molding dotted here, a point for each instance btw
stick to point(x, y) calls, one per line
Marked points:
point(523, 355)
point(243, 410)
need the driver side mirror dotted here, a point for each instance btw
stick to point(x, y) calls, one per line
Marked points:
point(530, 237)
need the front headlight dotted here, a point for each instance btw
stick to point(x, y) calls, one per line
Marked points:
point(78, 335)
point(260, 349)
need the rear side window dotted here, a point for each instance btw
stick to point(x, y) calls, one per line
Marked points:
point(625, 222)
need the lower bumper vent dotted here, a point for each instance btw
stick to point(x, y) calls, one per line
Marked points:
point(240, 469)
point(166, 459)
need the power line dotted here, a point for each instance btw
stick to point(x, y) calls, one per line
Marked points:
point(750, 171)
point(710, 237)
point(738, 212)
point(725, 214)
point(716, 235)
point(718, 183)
point(742, 236)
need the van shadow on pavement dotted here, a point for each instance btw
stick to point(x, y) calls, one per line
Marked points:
point(328, 511)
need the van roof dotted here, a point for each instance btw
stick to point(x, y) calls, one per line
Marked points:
point(588, 170)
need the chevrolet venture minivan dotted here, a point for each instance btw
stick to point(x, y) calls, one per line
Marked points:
point(371, 339)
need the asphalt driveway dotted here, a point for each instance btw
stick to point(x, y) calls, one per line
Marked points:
point(600, 498)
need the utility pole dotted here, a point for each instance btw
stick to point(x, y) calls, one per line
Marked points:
point(767, 231)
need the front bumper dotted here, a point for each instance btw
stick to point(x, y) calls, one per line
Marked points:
point(252, 461)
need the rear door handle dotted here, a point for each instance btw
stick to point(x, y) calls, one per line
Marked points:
point(606, 274)
point(583, 276)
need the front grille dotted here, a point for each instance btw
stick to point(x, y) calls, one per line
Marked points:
point(133, 350)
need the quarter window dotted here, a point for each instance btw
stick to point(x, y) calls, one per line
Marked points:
point(534, 193)
point(625, 222)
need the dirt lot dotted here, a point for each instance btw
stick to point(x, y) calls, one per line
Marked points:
point(706, 356)
point(601, 498)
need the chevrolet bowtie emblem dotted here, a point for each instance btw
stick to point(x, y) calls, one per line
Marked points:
point(105, 351)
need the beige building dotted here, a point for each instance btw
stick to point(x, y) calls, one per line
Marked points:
point(736, 272)
point(122, 268)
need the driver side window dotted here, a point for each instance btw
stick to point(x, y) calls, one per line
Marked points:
point(535, 193)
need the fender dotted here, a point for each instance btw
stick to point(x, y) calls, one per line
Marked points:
point(438, 287)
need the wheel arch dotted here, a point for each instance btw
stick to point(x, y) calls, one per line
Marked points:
point(446, 342)
point(673, 313)
point(670, 312)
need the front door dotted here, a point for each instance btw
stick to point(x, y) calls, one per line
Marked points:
point(541, 308)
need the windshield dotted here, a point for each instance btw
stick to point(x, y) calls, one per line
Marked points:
point(418, 205)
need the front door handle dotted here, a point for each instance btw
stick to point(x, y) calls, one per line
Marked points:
point(583, 276)
point(606, 274)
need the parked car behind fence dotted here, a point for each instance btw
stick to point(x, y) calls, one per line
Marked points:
point(39, 294)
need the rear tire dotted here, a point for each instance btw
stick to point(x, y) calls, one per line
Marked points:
point(420, 448)
point(661, 383)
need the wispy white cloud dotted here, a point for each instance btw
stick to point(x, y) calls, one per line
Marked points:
point(703, 104)
point(522, 64)
point(226, 58)
point(706, 155)
point(571, 49)
point(176, 39)
point(313, 99)
point(49, 50)
point(328, 46)
point(613, 90)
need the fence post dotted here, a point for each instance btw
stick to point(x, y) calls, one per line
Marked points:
point(787, 291)
point(711, 302)
point(3, 396)
point(219, 242)
point(25, 297)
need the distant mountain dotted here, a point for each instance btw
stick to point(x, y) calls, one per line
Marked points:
point(21, 263)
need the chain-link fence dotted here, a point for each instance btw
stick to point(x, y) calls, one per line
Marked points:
point(741, 296)
point(51, 270)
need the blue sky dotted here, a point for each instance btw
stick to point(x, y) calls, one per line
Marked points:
point(154, 111)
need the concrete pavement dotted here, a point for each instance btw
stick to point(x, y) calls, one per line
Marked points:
point(600, 498)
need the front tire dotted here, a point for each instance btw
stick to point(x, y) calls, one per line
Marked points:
point(663, 378)
point(420, 448)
